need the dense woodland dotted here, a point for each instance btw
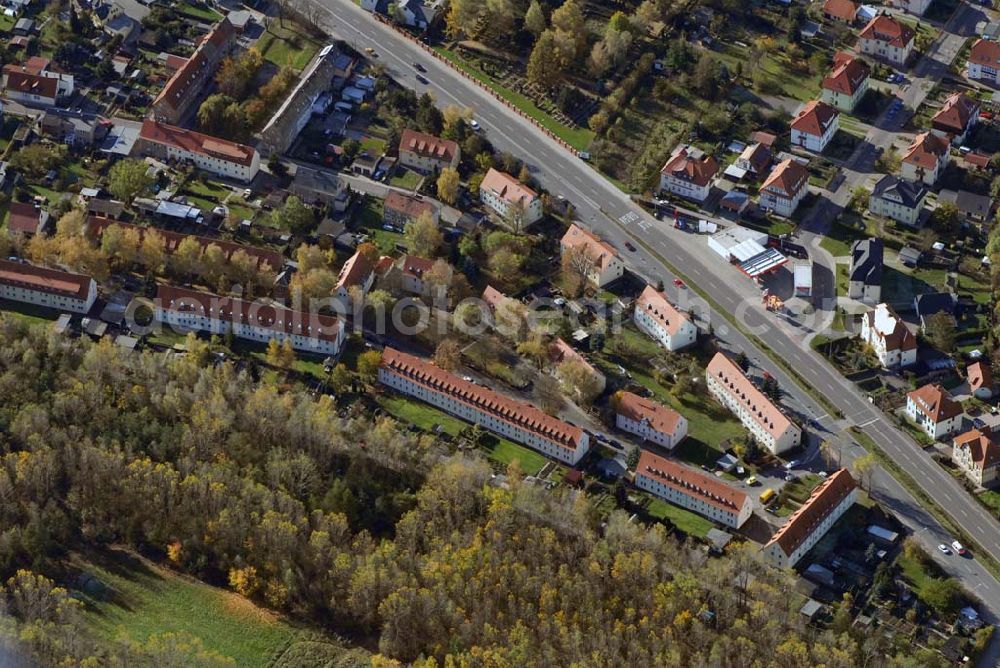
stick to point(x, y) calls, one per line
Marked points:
point(356, 526)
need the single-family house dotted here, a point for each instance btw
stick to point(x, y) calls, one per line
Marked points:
point(977, 454)
point(26, 219)
point(649, 420)
point(661, 320)
point(915, 7)
point(898, 199)
point(925, 159)
point(843, 11)
point(754, 161)
point(887, 38)
point(932, 303)
point(590, 255)
point(894, 344)
point(867, 263)
point(984, 61)
point(980, 377)
point(957, 116)
point(814, 126)
point(847, 83)
point(689, 173)
point(934, 411)
point(414, 272)
point(784, 188)
point(512, 202)
point(973, 207)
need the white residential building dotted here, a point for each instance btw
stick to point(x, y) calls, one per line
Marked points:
point(934, 411)
point(898, 199)
point(211, 154)
point(887, 38)
point(649, 420)
point(516, 420)
point(662, 321)
point(765, 421)
point(894, 344)
point(977, 453)
point(693, 490)
point(784, 188)
point(814, 126)
point(925, 159)
point(46, 287)
point(358, 272)
point(807, 525)
point(515, 204)
point(847, 83)
point(604, 264)
point(258, 321)
point(984, 61)
point(689, 173)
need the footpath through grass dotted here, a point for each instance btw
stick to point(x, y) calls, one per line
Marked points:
point(142, 599)
point(578, 138)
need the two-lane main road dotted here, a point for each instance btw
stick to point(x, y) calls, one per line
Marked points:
point(659, 248)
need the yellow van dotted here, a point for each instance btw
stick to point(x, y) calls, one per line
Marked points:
point(767, 495)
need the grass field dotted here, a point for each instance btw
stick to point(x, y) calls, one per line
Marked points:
point(200, 12)
point(427, 417)
point(991, 500)
point(578, 138)
point(686, 521)
point(29, 313)
point(144, 600)
point(287, 46)
point(838, 241)
point(406, 178)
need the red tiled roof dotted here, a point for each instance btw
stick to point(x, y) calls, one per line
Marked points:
point(492, 297)
point(765, 138)
point(691, 483)
point(934, 401)
point(985, 52)
point(51, 281)
point(428, 146)
point(814, 118)
point(179, 86)
point(415, 266)
point(195, 142)
point(355, 271)
point(980, 376)
point(410, 206)
point(827, 496)
point(521, 415)
point(956, 113)
point(24, 218)
point(506, 187)
point(655, 305)
point(32, 84)
point(983, 446)
point(977, 160)
point(684, 166)
point(758, 156)
point(560, 351)
point(884, 28)
point(96, 226)
point(848, 75)
point(787, 178)
point(763, 411)
point(600, 252)
point(257, 313)
point(900, 338)
point(925, 151)
point(660, 418)
point(844, 10)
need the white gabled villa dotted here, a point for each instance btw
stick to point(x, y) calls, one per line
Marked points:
point(519, 421)
point(661, 320)
point(894, 344)
point(258, 321)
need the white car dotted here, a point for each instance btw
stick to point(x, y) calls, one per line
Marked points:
point(958, 547)
point(944, 549)
point(474, 124)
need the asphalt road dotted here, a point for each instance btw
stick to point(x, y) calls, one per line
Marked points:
point(612, 214)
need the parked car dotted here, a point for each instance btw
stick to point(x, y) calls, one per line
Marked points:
point(958, 547)
point(944, 549)
point(679, 283)
point(628, 245)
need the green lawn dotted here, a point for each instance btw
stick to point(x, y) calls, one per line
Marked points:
point(287, 46)
point(578, 138)
point(373, 146)
point(427, 417)
point(406, 178)
point(991, 500)
point(29, 313)
point(200, 12)
point(838, 241)
point(843, 279)
point(7, 23)
point(144, 600)
point(369, 217)
point(685, 520)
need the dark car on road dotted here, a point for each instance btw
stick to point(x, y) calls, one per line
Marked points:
point(422, 79)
